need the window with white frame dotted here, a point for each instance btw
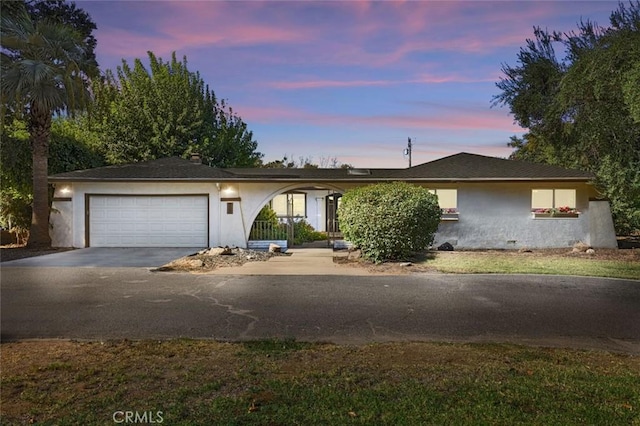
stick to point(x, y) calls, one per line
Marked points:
point(291, 204)
point(553, 201)
point(447, 200)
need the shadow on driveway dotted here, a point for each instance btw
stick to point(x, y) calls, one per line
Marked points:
point(138, 257)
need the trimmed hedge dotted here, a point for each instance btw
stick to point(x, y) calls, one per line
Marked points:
point(389, 221)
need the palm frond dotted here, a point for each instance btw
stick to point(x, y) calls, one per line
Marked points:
point(44, 65)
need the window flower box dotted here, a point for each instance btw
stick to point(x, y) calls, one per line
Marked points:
point(449, 214)
point(556, 212)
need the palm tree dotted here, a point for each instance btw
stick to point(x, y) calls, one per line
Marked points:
point(45, 69)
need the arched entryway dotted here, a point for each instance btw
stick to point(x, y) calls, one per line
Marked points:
point(316, 204)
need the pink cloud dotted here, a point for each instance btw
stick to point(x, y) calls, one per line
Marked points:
point(197, 23)
point(272, 114)
point(126, 44)
point(447, 119)
point(179, 26)
point(318, 84)
point(425, 78)
point(379, 33)
point(451, 120)
point(419, 27)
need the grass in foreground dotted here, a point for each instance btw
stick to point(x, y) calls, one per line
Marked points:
point(527, 263)
point(288, 382)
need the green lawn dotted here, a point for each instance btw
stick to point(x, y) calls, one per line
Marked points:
point(525, 263)
point(285, 382)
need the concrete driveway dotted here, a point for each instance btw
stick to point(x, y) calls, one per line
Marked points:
point(140, 257)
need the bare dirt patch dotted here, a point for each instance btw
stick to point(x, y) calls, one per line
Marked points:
point(16, 251)
point(217, 257)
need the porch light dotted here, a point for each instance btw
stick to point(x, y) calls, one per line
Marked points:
point(229, 191)
point(65, 190)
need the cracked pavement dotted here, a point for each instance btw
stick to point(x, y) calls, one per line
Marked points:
point(134, 303)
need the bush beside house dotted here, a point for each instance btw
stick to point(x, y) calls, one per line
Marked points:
point(267, 226)
point(389, 221)
point(303, 232)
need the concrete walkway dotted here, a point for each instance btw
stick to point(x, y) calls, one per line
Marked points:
point(299, 261)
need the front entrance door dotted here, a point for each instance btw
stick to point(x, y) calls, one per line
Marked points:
point(333, 226)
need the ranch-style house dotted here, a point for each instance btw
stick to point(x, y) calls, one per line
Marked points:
point(487, 203)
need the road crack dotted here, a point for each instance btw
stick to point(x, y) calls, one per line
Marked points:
point(244, 313)
point(230, 309)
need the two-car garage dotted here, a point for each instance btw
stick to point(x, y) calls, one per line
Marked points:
point(147, 220)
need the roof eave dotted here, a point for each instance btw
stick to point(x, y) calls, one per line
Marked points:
point(70, 179)
point(306, 180)
point(501, 179)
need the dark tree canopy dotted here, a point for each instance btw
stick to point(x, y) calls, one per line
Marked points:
point(306, 163)
point(45, 70)
point(66, 13)
point(164, 111)
point(583, 110)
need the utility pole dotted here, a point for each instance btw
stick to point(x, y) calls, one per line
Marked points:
point(407, 151)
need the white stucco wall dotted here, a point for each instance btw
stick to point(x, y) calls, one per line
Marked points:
point(316, 209)
point(233, 229)
point(492, 215)
point(602, 233)
point(61, 224)
point(498, 215)
point(256, 195)
point(73, 214)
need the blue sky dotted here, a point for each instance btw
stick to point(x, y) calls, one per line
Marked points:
point(347, 79)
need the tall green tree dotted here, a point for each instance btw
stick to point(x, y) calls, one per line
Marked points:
point(306, 163)
point(45, 71)
point(167, 110)
point(16, 177)
point(583, 110)
point(66, 13)
point(72, 147)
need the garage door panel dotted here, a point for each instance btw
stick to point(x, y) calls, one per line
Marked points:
point(148, 221)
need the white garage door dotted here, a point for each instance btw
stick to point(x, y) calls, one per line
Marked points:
point(148, 221)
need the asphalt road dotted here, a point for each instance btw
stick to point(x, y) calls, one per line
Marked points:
point(134, 303)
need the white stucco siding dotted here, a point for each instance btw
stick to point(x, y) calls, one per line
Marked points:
point(602, 233)
point(316, 209)
point(498, 215)
point(256, 195)
point(491, 215)
point(75, 216)
point(61, 224)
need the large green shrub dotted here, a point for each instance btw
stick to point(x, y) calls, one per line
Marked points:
point(303, 232)
point(267, 214)
point(267, 226)
point(389, 221)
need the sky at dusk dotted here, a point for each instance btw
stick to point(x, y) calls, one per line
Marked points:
point(347, 79)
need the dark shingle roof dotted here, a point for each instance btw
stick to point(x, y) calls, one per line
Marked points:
point(173, 168)
point(313, 174)
point(463, 166)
